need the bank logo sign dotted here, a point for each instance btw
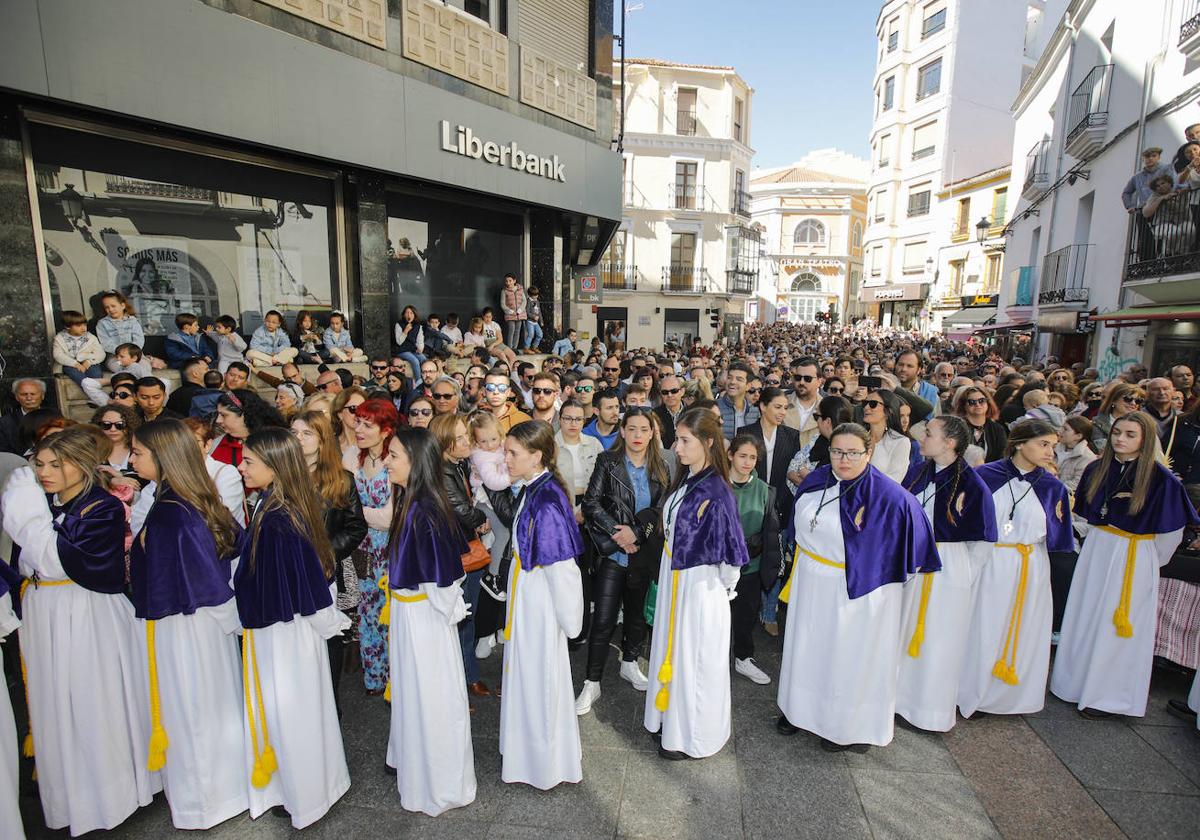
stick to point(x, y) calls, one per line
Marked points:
point(463, 141)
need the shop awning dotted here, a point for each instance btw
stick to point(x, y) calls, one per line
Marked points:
point(971, 317)
point(1178, 312)
point(1021, 325)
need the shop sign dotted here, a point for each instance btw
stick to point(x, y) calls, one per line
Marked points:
point(463, 141)
point(970, 301)
point(889, 294)
point(586, 287)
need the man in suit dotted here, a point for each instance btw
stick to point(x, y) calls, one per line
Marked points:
point(806, 393)
point(781, 443)
point(29, 394)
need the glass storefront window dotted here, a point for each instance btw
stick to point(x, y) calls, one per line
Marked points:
point(445, 257)
point(180, 232)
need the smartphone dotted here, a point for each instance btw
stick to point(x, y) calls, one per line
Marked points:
point(871, 383)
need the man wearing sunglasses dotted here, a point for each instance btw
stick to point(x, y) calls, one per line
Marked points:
point(545, 395)
point(802, 402)
point(612, 376)
point(523, 380)
point(446, 395)
point(327, 383)
point(585, 393)
point(496, 388)
point(379, 371)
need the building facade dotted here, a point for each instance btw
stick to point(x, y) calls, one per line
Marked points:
point(273, 154)
point(946, 74)
point(683, 264)
point(1086, 281)
point(812, 223)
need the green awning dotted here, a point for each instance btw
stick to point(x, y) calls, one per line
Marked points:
point(1177, 312)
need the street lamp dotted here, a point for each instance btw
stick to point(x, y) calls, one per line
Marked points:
point(72, 205)
point(981, 228)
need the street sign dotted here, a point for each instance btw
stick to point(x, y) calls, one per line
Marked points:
point(586, 286)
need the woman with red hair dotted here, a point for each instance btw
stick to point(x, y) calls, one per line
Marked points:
point(375, 422)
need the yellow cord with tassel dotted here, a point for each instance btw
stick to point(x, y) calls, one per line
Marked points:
point(157, 754)
point(666, 672)
point(512, 592)
point(385, 613)
point(918, 636)
point(1004, 669)
point(265, 763)
point(1121, 618)
point(27, 741)
point(785, 594)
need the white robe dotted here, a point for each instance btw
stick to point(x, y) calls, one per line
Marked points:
point(539, 731)
point(993, 606)
point(927, 694)
point(10, 809)
point(840, 656)
point(200, 686)
point(430, 743)
point(1093, 666)
point(87, 681)
point(697, 720)
point(302, 724)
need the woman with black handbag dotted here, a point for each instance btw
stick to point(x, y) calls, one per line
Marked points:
point(628, 480)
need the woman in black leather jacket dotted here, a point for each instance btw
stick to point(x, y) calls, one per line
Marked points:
point(450, 431)
point(344, 522)
point(628, 484)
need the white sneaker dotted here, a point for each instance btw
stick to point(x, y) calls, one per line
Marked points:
point(483, 648)
point(588, 695)
point(1054, 637)
point(748, 669)
point(632, 674)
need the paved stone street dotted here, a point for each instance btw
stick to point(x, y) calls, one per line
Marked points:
point(1051, 775)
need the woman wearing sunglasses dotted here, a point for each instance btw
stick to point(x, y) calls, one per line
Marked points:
point(1122, 399)
point(420, 413)
point(890, 447)
point(859, 537)
point(118, 422)
point(976, 407)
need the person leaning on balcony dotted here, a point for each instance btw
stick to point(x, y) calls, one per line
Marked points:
point(1137, 192)
point(1167, 213)
point(1188, 180)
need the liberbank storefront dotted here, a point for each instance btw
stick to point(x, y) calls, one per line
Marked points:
point(276, 174)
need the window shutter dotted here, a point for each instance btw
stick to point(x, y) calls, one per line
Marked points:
point(557, 28)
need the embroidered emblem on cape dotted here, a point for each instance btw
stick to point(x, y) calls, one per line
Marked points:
point(703, 507)
point(962, 500)
point(858, 517)
point(1058, 510)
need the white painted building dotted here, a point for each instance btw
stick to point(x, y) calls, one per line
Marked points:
point(813, 216)
point(945, 77)
point(1114, 78)
point(686, 255)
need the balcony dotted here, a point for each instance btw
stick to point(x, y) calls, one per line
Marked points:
point(1189, 30)
point(619, 276)
point(1088, 113)
point(928, 151)
point(961, 231)
point(739, 282)
point(684, 280)
point(740, 203)
point(880, 217)
point(685, 123)
point(1037, 175)
point(687, 195)
point(1063, 277)
point(1024, 282)
point(1165, 245)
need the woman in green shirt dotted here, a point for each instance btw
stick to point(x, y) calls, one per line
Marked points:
point(760, 525)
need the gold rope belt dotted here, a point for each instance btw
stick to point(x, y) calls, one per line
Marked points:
point(785, 594)
point(1004, 669)
point(1121, 615)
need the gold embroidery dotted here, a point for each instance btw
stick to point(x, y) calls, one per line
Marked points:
point(1058, 510)
point(703, 507)
point(962, 498)
point(142, 538)
point(858, 517)
point(89, 508)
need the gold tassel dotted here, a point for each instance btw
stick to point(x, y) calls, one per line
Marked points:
point(1121, 615)
point(387, 691)
point(157, 756)
point(918, 637)
point(665, 672)
point(265, 763)
point(1003, 669)
point(385, 614)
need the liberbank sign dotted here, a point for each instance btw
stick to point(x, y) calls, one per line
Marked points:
point(462, 141)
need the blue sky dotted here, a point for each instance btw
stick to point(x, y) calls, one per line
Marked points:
point(810, 63)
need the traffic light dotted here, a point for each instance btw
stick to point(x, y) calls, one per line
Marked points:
point(715, 319)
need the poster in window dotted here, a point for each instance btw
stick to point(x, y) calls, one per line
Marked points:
point(154, 273)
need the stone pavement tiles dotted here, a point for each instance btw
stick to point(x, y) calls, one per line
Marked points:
point(1052, 775)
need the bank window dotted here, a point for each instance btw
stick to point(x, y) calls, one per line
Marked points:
point(178, 232)
point(929, 79)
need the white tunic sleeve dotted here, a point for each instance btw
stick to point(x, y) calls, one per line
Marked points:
point(142, 502)
point(447, 601)
point(730, 575)
point(566, 591)
point(232, 492)
point(28, 520)
point(8, 619)
point(1165, 545)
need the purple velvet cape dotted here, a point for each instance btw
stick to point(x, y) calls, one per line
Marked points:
point(428, 550)
point(1167, 505)
point(287, 579)
point(970, 516)
point(173, 564)
point(1051, 492)
point(707, 528)
point(91, 540)
point(545, 530)
point(885, 533)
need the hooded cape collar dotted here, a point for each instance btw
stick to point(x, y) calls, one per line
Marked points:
point(707, 529)
point(427, 551)
point(545, 528)
point(287, 579)
point(1167, 506)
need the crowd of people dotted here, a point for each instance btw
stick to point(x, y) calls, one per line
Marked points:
point(197, 579)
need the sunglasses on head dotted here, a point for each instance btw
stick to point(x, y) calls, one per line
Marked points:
point(420, 412)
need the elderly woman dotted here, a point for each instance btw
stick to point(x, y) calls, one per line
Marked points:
point(288, 398)
point(420, 413)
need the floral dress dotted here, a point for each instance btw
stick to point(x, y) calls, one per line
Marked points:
point(374, 492)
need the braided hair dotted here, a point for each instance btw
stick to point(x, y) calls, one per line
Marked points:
point(957, 432)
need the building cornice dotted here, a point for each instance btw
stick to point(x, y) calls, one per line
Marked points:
point(688, 143)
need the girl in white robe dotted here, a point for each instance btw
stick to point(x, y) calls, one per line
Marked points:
point(1008, 647)
point(539, 730)
point(84, 659)
point(295, 754)
point(688, 698)
point(179, 576)
point(1136, 510)
point(430, 741)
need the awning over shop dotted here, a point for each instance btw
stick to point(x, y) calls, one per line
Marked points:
point(1178, 312)
point(1018, 325)
point(971, 317)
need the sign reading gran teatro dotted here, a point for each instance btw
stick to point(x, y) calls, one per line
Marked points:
point(464, 142)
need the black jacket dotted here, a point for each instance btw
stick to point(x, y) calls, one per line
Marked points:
point(668, 425)
point(345, 525)
point(995, 438)
point(609, 501)
point(459, 491)
point(787, 444)
point(765, 544)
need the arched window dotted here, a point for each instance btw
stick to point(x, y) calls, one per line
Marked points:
point(809, 232)
point(806, 283)
point(805, 299)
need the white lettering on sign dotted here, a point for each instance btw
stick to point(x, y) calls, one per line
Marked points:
point(889, 294)
point(463, 141)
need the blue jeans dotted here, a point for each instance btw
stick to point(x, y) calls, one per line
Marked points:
point(466, 627)
point(415, 361)
point(533, 334)
point(77, 376)
point(770, 602)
